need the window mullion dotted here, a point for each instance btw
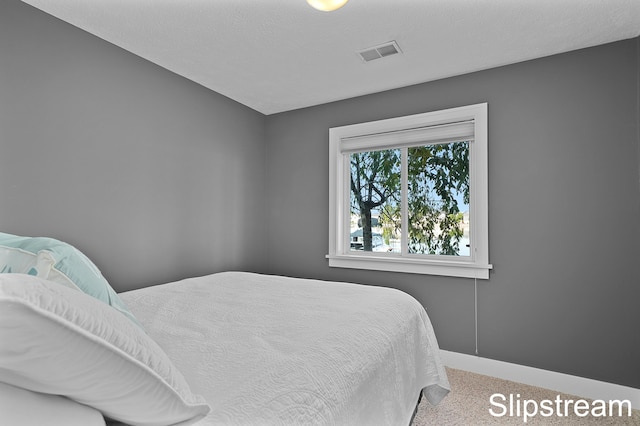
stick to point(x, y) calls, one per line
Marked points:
point(404, 202)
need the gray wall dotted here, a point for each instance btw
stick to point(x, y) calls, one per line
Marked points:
point(564, 197)
point(149, 174)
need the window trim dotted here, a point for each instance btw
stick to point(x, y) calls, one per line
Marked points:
point(475, 266)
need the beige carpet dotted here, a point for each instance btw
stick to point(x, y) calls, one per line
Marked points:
point(469, 404)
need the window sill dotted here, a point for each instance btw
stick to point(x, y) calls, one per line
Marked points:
point(450, 268)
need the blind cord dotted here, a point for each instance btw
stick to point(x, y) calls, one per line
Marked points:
point(475, 285)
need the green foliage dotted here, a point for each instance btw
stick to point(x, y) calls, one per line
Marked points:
point(438, 176)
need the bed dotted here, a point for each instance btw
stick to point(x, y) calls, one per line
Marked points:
point(232, 348)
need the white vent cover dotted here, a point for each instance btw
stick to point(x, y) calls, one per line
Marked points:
point(380, 51)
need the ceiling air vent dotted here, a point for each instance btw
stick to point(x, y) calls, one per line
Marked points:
point(377, 52)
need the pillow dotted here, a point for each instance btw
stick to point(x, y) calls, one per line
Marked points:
point(23, 407)
point(60, 341)
point(25, 262)
point(60, 262)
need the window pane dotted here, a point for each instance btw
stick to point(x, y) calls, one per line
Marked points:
point(375, 200)
point(438, 199)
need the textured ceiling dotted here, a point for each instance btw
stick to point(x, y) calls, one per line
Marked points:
point(280, 55)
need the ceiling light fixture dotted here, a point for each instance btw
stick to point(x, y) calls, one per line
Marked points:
point(327, 5)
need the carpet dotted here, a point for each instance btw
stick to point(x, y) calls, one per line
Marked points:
point(470, 402)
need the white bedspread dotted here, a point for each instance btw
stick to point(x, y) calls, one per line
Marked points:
point(269, 350)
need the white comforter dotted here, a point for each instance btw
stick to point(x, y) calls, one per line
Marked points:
point(269, 350)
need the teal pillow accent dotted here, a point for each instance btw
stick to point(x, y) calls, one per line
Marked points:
point(57, 261)
point(21, 261)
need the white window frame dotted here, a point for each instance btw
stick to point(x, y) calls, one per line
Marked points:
point(396, 131)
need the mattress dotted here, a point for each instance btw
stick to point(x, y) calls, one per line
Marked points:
point(271, 350)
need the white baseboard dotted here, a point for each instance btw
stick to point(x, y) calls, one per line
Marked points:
point(564, 383)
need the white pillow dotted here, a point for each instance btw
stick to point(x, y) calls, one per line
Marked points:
point(61, 341)
point(15, 260)
point(26, 408)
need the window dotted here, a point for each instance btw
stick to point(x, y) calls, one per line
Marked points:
point(410, 194)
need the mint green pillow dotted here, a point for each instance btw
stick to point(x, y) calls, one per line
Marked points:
point(57, 261)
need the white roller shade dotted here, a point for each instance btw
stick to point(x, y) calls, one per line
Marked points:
point(442, 133)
